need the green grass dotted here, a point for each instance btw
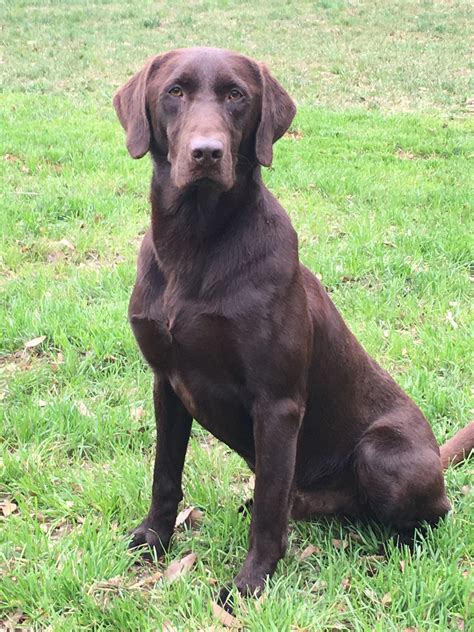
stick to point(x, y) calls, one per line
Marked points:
point(378, 182)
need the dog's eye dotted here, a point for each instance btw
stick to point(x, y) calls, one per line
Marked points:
point(175, 91)
point(234, 94)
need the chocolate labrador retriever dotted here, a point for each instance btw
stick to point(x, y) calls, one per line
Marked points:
point(242, 337)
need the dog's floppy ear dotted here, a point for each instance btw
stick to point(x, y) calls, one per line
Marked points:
point(278, 110)
point(131, 107)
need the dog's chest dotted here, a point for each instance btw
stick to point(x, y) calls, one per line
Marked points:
point(206, 372)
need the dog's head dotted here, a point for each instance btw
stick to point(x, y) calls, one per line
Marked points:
point(204, 109)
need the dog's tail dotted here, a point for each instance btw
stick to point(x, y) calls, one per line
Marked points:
point(458, 447)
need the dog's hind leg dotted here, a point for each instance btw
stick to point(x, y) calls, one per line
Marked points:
point(399, 471)
point(341, 501)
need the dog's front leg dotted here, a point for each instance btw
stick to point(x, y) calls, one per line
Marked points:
point(276, 426)
point(173, 427)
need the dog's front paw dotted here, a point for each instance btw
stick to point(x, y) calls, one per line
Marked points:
point(147, 538)
point(251, 582)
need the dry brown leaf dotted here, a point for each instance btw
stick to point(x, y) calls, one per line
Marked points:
point(386, 599)
point(460, 623)
point(372, 595)
point(34, 342)
point(195, 518)
point(294, 133)
point(82, 408)
point(102, 592)
point(55, 530)
point(402, 566)
point(355, 536)
point(346, 582)
point(340, 544)
point(450, 320)
point(68, 244)
point(147, 581)
point(177, 568)
point(410, 629)
point(113, 584)
point(319, 585)
point(190, 516)
point(228, 620)
point(14, 621)
point(183, 516)
point(374, 558)
point(57, 361)
point(310, 550)
point(137, 413)
point(167, 627)
point(53, 257)
point(7, 507)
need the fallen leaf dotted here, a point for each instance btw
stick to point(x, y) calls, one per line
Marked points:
point(227, 620)
point(465, 489)
point(293, 133)
point(340, 544)
point(65, 242)
point(190, 516)
point(60, 530)
point(177, 568)
point(8, 507)
point(374, 558)
point(260, 600)
point(42, 403)
point(355, 536)
point(319, 585)
point(57, 361)
point(34, 342)
point(14, 620)
point(167, 627)
point(460, 623)
point(82, 408)
point(55, 256)
point(346, 582)
point(195, 518)
point(101, 592)
point(310, 550)
point(450, 320)
point(386, 599)
point(147, 581)
point(137, 413)
point(183, 516)
point(109, 584)
point(372, 595)
point(402, 566)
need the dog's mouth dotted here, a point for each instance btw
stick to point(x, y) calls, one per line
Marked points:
point(205, 179)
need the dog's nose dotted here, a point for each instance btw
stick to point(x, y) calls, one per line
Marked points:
point(206, 151)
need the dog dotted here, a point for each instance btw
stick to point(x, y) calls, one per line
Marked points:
point(243, 338)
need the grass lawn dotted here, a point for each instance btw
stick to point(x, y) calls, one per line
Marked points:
point(377, 178)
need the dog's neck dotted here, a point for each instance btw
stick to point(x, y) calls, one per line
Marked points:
point(184, 220)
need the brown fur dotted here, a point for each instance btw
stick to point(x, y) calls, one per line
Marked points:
point(242, 337)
